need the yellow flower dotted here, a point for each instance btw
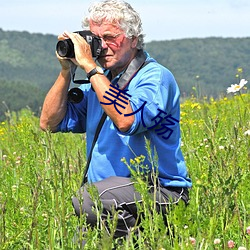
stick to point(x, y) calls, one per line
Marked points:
point(138, 160)
point(183, 113)
point(240, 70)
point(195, 105)
point(132, 162)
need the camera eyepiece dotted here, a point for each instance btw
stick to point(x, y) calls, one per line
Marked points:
point(65, 48)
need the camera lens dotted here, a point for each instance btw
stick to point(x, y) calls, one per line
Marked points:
point(75, 95)
point(65, 48)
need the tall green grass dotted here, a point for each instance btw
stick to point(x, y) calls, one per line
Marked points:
point(40, 172)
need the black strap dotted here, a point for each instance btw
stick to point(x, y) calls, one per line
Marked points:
point(97, 132)
point(136, 64)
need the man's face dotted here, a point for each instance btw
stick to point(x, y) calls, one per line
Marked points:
point(118, 50)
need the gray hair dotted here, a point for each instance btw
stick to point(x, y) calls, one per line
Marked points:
point(120, 13)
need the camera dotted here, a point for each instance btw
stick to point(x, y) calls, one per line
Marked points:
point(65, 48)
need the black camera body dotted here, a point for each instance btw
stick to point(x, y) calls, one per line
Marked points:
point(65, 48)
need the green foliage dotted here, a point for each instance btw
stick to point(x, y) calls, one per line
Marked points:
point(37, 182)
point(28, 58)
point(40, 172)
point(220, 155)
point(14, 95)
point(28, 68)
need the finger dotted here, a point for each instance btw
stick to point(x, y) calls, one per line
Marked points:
point(70, 34)
point(66, 33)
point(69, 60)
point(62, 36)
point(59, 57)
point(75, 37)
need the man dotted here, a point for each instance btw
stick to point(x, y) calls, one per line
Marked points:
point(141, 100)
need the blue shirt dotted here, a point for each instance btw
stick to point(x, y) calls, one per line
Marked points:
point(154, 94)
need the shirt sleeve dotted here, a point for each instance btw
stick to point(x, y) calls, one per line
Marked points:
point(154, 90)
point(75, 117)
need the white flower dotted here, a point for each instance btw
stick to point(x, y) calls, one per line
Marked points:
point(22, 210)
point(246, 133)
point(221, 147)
point(242, 248)
point(217, 241)
point(192, 240)
point(237, 87)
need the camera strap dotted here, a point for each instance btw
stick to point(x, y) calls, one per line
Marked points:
point(97, 132)
point(136, 64)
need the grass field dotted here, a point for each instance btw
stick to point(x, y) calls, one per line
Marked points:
point(40, 172)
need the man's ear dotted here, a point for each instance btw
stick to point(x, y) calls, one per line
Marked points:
point(134, 42)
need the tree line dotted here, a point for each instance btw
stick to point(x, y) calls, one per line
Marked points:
point(202, 67)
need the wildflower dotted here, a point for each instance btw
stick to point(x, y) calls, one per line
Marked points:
point(240, 70)
point(237, 87)
point(242, 248)
point(137, 159)
point(132, 162)
point(45, 216)
point(247, 133)
point(192, 240)
point(216, 241)
point(22, 210)
point(195, 106)
point(230, 244)
point(248, 230)
point(221, 147)
point(198, 182)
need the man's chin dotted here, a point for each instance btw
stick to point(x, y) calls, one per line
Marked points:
point(105, 63)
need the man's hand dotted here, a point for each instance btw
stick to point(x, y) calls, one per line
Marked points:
point(83, 54)
point(66, 63)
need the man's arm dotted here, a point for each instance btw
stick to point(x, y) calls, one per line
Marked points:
point(55, 103)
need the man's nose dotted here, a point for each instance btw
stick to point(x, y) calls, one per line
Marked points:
point(104, 44)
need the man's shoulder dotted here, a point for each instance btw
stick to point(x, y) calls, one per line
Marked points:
point(154, 69)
